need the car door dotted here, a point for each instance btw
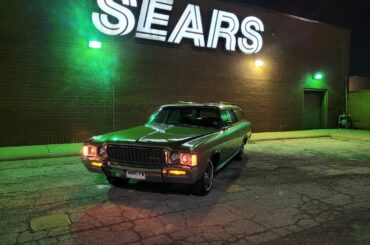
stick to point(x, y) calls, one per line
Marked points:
point(226, 143)
point(235, 132)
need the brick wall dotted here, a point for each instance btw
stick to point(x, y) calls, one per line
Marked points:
point(54, 89)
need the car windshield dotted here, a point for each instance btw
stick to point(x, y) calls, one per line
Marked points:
point(187, 116)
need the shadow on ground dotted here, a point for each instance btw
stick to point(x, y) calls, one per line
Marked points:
point(143, 210)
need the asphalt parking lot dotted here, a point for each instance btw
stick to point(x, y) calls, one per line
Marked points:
point(302, 191)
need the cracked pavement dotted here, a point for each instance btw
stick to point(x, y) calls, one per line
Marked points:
point(300, 191)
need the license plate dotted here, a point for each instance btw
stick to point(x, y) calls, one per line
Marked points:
point(135, 175)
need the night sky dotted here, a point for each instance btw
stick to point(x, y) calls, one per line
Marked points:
point(353, 14)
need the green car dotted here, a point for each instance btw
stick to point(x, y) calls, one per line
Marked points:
point(181, 143)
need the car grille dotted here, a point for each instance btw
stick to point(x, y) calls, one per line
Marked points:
point(136, 155)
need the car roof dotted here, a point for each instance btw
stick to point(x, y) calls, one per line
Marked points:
point(220, 105)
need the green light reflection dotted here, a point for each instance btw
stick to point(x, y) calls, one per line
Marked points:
point(73, 22)
point(310, 81)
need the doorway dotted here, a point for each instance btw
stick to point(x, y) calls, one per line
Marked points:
point(315, 109)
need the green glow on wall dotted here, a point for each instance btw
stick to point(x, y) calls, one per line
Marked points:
point(82, 55)
point(101, 64)
point(316, 81)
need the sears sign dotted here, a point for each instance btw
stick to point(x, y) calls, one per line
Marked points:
point(156, 13)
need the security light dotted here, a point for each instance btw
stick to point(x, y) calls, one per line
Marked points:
point(95, 44)
point(318, 75)
point(259, 63)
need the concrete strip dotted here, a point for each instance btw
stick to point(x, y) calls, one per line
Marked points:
point(74, 148)
point(350, 137)
point(49, 222)
point(64, 150)
point(361, 135)
point(23, 151)
point(39, 151)
point(37, 157)
point(290, 138)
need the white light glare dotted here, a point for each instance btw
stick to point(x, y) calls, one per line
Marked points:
point(94, 44)
point(259, 63)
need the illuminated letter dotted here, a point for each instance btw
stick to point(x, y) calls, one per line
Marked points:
point(216, 31)
point(149, 17)
point(126, 19)
point(189, 26)
point(251, 34)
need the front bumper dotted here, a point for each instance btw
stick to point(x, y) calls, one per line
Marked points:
point(159, 174)
point(92, 164)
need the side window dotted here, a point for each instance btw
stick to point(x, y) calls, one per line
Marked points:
point(233, 117)
point(225, 117)
point(209, 118)
point(239, 114)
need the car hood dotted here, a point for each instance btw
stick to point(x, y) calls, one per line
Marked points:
point(163, 135)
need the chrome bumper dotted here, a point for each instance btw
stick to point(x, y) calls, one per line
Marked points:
point(153, 174)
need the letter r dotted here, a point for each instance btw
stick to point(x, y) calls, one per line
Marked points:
point(216, 30)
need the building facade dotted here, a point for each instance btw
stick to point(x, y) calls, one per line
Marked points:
point(358, 109)
point(357, 83)
point(57, 89)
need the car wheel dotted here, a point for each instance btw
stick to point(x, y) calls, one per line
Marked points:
point(240, 154)
point(203, 186)
point(117, 182)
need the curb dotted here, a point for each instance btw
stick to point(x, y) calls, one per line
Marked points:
point(334, 136)
point(56, 155)
point(293, 138)
point(341, 137)
point(75, 154)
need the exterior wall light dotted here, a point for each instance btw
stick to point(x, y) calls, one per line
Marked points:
point(95, 44)
point(318, 76)
point(259, 63)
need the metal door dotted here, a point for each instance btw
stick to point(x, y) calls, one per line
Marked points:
point(314, 109)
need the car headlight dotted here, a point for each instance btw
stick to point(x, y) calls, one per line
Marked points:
point(188, 159)
point(89, 151)
point(103, 151)
point(175, 158)
point(182, 158)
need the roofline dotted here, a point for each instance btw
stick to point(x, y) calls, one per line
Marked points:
point(289, 15)
point(189, 104)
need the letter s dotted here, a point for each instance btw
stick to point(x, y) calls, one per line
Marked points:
point(126, 19)
point(251, 35)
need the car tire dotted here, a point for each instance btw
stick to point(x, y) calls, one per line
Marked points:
point(117, 182)
point(239, 156)
point(204, 185)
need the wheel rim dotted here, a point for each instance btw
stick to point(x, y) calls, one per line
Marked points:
point(208, 177)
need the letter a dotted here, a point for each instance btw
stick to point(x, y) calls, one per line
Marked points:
point(189, 26)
